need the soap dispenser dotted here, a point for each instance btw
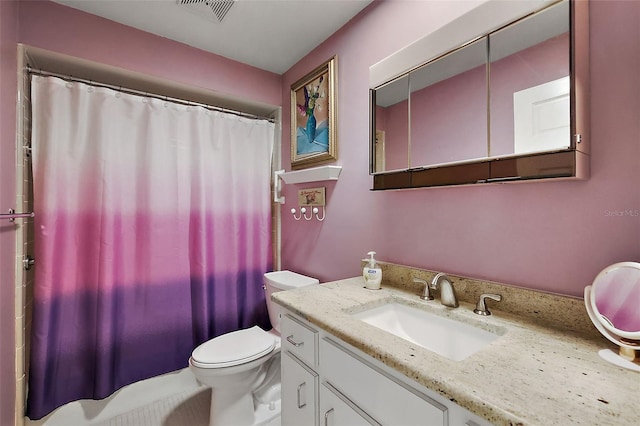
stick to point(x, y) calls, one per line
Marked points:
point(372, 273)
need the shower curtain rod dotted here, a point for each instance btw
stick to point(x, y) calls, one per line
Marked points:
point(147, 94)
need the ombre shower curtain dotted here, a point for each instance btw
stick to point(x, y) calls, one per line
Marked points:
point(153, 231)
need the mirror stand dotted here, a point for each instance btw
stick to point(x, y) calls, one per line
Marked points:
point(628, 354)
point(629, 360)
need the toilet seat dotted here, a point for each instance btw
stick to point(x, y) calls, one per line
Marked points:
point(235, 348)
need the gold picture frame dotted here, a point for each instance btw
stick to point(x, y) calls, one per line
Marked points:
point(313, 117)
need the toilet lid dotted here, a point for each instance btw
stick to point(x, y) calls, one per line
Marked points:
point(237, 347)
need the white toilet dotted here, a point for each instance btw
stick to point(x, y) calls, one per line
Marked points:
point(243, 367)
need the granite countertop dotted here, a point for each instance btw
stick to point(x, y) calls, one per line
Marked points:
point(532, 375)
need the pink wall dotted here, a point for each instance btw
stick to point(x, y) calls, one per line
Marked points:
point(57, 28)
point(90, 37)
point(551, 236)
point(8, 83)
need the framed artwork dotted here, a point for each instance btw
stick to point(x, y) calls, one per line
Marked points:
point(313, 117)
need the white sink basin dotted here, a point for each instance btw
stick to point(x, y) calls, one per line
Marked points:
point(450, 338)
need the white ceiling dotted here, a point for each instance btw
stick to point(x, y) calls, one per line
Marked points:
point(269, 34)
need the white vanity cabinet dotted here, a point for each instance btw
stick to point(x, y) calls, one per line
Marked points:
point(327, 382)
point(299, 378)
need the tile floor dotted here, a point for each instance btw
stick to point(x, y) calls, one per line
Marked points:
point(174, 399)
point(189, 408)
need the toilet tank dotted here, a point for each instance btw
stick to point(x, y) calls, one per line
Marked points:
point(279, 281)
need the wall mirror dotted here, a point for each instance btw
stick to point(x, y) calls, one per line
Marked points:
point(391, 143)
point(507, 103)
point(449, 107)
point(612, 304)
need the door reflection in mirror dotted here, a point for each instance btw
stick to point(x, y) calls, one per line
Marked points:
point(529, 84)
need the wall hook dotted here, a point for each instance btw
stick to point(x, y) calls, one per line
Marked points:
point(303, 213)
point(315, 211)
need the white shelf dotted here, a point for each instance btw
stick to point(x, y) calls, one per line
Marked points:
point(315, 174)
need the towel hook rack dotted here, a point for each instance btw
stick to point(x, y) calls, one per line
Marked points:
point(12, 215)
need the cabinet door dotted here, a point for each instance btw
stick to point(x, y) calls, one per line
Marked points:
point(299, 392)
point(385, 398)
point(337, 410)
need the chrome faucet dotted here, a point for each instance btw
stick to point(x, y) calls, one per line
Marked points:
point(447, 292)
point(426, 295)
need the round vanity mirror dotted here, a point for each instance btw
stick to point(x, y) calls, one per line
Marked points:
point(615, 298)
point(613, 304)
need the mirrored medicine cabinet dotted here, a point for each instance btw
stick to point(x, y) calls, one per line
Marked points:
point(499, 94)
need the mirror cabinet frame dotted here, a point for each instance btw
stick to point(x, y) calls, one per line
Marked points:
point(569, 163)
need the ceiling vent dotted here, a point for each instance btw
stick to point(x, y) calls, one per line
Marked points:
point(204, 8)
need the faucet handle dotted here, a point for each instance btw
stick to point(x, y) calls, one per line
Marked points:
point(426, 295)
point(481, 306)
